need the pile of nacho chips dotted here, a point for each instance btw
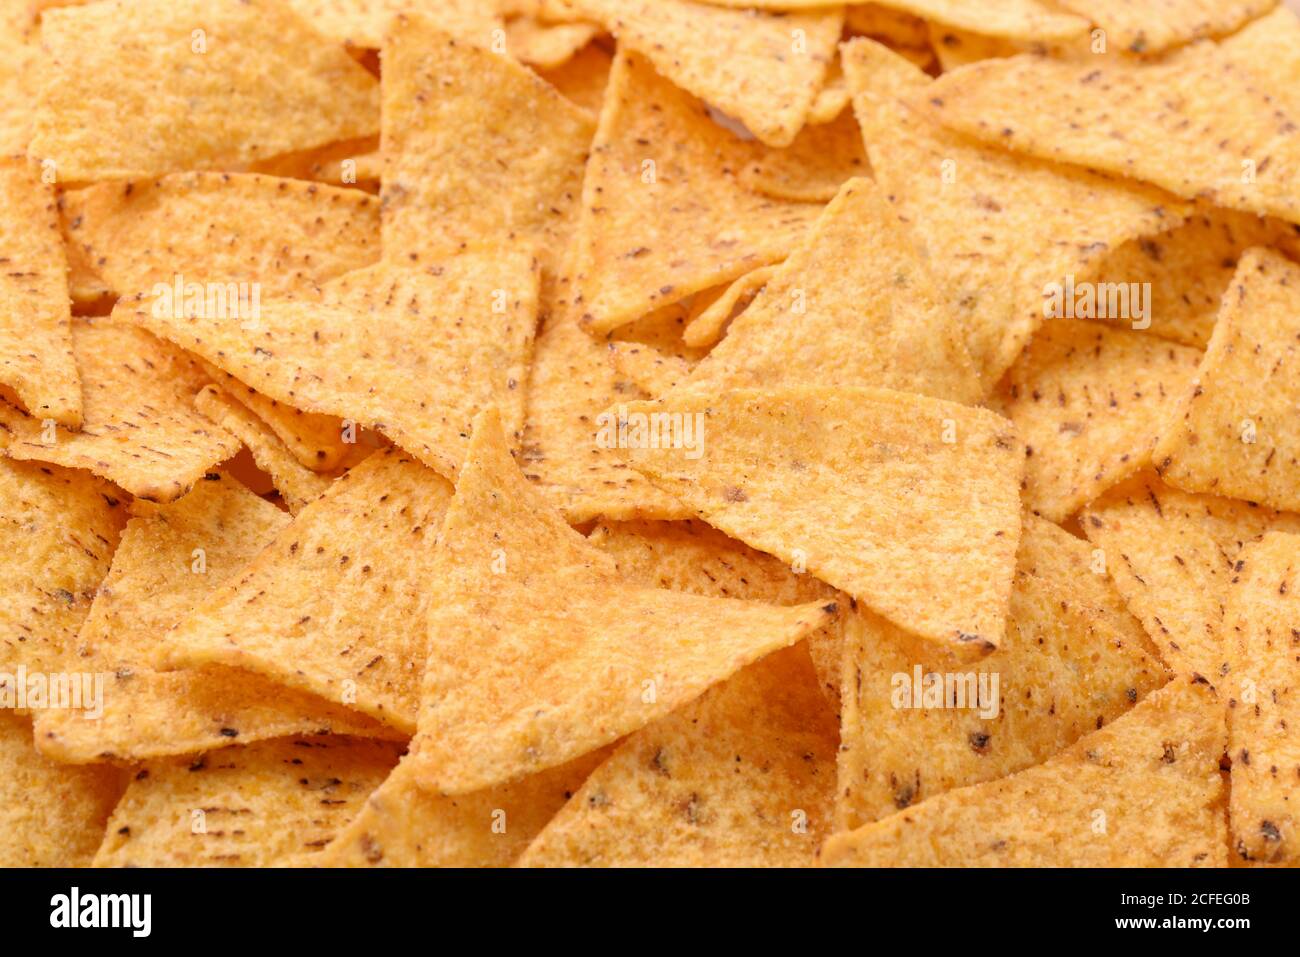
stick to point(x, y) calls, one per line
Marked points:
point(719, 433)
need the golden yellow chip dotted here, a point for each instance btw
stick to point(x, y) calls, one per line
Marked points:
point(378, 344)
point(1170, 555)
point(1235, 433)
point(1156, 25)
point(814, 167)
point(1261, 622)
point(447, 105)
point(663, 212)
point(998, 229)
point(140, 428)
point(583, 77)
point(917, 723)
point(664, 329)
point(540, 651)
point(362, 23)
point(335, 604)
point(886, 23)
point(20, 50)
point(171, 558)
point(274, 803)
point(760, 69)
point(742, 777)
point(297, 485)
point(1144, 791)
point(353, 163)
point(571, 384)
point(1150, 120)
point(58, 530)
point(119, 72)
point(1012, 19)
point(710, 315)
point(1088, 402)
point(909, 504)
point(236, 236)
point(36, 359)
point(852, 305)
point(832, 99)
point(956, 48)
point(546, 46)
point(51, 815)
point(404, 826)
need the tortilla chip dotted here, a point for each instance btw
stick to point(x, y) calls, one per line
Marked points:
point(35, 339)
point(832, 99)
point(140, 429)
point(1153, 27)
point(1088, 402)
point(353, 163)
point(404, 826)
point(982, 216)
point(383, 345)
point(604, 659)
point(709, 324)
point(1144, 791)
point(664, 214)
point(50, 815)
point(583, 78)
point(86, 288)
point(663, 329)
point(742, 777)
point(693, 557)
point(268, 804)
point(1151, 120)
point(547, 45)
point(446, 106)
point(58, 529)
point(851, 305)
point(571, 384)
point(1235, 433)
point(814, 167)
point(764, 70)
point(1189, 269)
point(1261, 622)
point(20, 50)
point(879, 510)
point(335, 605)
point(362, 23)
point(655, 373)
point(1061, 672)
point(886, 24)
point(297, 485)
point(277, 236)
point(956, 48)
point(171, 558)
point(121, 71)
point(1170, 555)
point(316, 441)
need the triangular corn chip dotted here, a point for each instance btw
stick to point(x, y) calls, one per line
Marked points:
point(1235, 433)
point(410, 352)
point(354, 163)
point(833, 99)
point(273, 803)
point(1012, 19)
point(297, 485)
point(886, 23)
point(404, 826)
point(696, 558)
point(763, 70)
point(35, 329)
point(1188, 269)
point(51, 815)
point(583, 78)
point(1088, 402)
point(335, 604)
point(916, 723)
point(982, 216)
point(663, 212)
point(20, 50)
point(607, 659)
point(571, 384)
point(955, 48)
point(742, 777)
point(1170, 555)
point(814, 167)
point(850, 307)
point(1144, 791)
point(1261, 623)
point(447, 105)
point(1155, 26)
point(707, 325)
point(1152, 121)
point(170, 559)
point(545, 46)
point(663, 329)
point(237, 232)
point(58, 530)
point(122, 71)
point(140, 428)
point(362, 23)
point(913, 509)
